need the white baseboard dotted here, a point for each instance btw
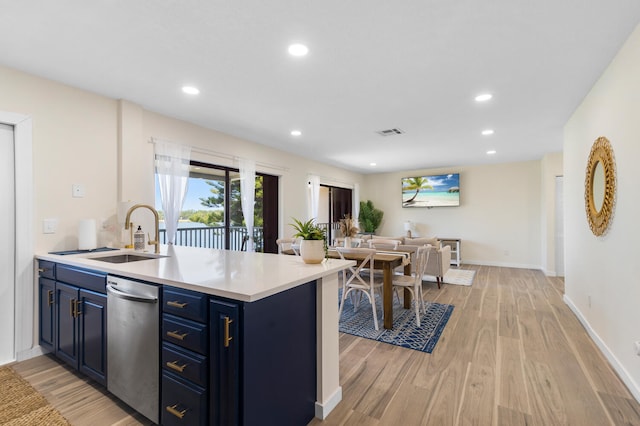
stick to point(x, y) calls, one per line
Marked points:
point(501, 264)
point(615, 363)
point(31, 353)
point(323, 410)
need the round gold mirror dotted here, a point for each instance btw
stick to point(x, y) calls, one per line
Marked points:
point(600, 186)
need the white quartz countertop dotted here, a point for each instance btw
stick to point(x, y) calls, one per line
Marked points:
point(232, 274)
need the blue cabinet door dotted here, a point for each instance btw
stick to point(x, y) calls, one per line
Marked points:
point(224, 352)
point(66, 343)
point(46, 325)
point(92, 316)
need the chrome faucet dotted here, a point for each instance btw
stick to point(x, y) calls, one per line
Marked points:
point(127, 223)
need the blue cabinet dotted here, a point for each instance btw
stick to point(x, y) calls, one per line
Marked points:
point(73, 317)
point(185, 360)
point(225, 362)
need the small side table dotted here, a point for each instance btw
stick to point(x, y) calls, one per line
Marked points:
point(455, 243)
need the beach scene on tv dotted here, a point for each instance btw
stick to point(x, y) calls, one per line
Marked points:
point(431, 191)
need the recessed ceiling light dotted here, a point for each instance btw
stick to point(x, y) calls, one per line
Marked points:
point(487, 132)
point(190, 90)
point(298, 49)
point(491, 152)
point(372, 164)
point(296, 133)
point(484, 97)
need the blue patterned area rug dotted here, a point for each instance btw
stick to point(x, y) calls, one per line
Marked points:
point(405, 332)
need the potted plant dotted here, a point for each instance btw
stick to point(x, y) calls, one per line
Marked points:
point(312, 246)
point(370, 217)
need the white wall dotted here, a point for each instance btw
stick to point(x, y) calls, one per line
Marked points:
point(498, 218)
point(605, 269)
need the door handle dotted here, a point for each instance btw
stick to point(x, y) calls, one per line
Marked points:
point(78, 311)
point(227, 337)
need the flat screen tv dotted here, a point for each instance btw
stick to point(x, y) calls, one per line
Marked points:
point(431, 191)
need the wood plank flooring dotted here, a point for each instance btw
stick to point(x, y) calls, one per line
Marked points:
point(512, 354)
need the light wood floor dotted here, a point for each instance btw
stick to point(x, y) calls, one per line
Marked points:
point(511, 354)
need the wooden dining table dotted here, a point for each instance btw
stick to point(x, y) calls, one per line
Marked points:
point(386, 261)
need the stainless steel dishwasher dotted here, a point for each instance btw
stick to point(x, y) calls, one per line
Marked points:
point(133, 349)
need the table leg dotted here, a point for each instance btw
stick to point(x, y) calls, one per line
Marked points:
point(387, 296)
point(407, 293)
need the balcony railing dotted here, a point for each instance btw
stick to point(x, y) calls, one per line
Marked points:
point(214, 237)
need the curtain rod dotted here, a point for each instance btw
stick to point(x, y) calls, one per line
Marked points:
point(228, 156)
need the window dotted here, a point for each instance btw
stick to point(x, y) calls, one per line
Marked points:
point(211, 216)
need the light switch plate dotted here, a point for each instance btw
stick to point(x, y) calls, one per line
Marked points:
point(77, 190)
point(49, 226)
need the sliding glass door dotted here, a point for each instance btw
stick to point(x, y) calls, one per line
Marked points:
point(212, 213)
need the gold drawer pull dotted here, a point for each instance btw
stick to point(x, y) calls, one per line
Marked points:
point(176, 304)
point(50, 297)
point(227, 338)
point(174, 366)
point(41, 269)
point(176, 334)
point(173, 410)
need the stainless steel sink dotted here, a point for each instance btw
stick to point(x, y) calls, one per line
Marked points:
point(124, 258)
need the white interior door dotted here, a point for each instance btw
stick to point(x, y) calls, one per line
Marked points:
point(7, 245)
point(559, 225)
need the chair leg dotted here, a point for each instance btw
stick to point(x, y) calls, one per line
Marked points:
point(438, 280)
point(372, 299)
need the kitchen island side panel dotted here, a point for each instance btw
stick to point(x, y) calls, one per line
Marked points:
point(279, 358)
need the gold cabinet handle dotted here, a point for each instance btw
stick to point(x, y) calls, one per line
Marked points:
point(174, 366)
point(78, 311)
point(72, 308)
point(50, 297)
point(41, 269)
point(227, 338)
point(177, 304)
point(174, 410)
point(176, 334)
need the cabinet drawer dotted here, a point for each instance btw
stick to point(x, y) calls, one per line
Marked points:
point(185, 364)
point(91, 280)
point(47, 269)
point(185, 333)
point(185, 303)
point(182, 403)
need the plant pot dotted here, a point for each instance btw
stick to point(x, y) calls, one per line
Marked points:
point(312, 251)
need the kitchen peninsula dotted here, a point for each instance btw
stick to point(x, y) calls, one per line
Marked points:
point(276, 312)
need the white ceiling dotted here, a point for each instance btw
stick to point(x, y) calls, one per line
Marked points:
point(373, 65)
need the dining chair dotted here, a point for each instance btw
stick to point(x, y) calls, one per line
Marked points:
point(413, 283)
point(355, 281)
point(288, 246)
point(355, 242)
point(381, 244)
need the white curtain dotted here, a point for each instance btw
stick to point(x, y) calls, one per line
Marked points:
point(314, 196)
point(248, 195)
point(172, 167)
point(356, 203)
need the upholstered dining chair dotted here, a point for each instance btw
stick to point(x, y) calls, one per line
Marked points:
point(287, 246)
point(355, 281)
point(413, 283)
point(381, 244)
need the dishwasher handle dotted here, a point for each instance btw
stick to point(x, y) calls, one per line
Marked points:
point(111, 290)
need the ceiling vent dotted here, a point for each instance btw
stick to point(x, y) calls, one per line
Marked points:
point(390, 132)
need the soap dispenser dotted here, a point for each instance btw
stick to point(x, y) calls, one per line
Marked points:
point(138, 239)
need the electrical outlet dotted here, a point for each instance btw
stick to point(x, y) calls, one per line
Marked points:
point(638, 348)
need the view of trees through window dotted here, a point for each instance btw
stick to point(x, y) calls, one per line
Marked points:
point(212, 212)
